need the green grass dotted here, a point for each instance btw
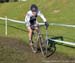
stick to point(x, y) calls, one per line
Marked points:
point(66, 15)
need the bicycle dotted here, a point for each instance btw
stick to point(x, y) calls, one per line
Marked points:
point(45, 45)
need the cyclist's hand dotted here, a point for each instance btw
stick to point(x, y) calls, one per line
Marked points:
point(46, 24)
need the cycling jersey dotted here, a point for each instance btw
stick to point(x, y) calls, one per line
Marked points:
point(31, 20)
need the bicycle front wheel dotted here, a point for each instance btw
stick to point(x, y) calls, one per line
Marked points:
point(42, 45)
point(50, 47)
point(35, 41)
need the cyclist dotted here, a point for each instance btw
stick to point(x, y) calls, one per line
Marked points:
point(30, 20)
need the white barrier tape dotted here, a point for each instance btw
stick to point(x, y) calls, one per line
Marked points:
point(65, 25)
point(62, 25)
point(68, 43)
point(16, 21)
point(2, 18)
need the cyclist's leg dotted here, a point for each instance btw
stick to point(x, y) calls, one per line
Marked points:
point(30, 35)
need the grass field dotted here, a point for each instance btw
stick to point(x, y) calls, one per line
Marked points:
point(56, 11)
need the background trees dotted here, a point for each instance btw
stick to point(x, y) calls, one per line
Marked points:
point(2, 1)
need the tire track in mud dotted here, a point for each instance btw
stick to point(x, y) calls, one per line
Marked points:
point(16, 51)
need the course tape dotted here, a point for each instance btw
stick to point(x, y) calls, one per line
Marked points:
point(23, 22)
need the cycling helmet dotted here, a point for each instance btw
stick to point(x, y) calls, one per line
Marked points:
point(34, 8)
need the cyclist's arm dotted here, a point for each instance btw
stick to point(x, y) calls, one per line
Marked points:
point(27, 19)
point(42, 16)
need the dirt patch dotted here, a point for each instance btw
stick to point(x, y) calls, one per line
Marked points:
point(16, 51)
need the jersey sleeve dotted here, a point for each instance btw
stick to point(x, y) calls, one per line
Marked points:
point(42, 16)
point(27, 19)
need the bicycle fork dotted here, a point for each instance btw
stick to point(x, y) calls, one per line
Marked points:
point(46, 40)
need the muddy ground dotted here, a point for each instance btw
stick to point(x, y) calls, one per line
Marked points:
point(16, 51)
